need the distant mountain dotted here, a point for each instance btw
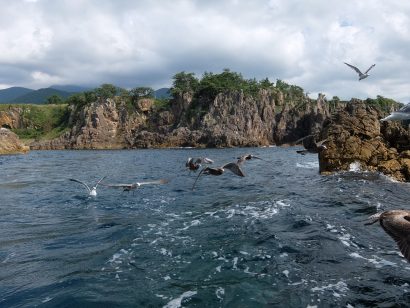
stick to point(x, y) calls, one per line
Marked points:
point(40, 96)
point(9, 94)
point(162, 93)
point(70, 88)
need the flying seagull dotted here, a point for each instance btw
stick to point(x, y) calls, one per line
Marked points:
point(233, 167)
point(193, 164)
point(361, 75)
point(396, 223)
point(402, 114)
point(246, 157)
point(93, 191)
point(132, 186)
point(310, 145)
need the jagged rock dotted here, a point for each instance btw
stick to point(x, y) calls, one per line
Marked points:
point(10, 143)
point(11, 118)
point(145, 104)
point(354, 135)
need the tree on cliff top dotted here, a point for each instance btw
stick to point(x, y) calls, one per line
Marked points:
point(183, 83)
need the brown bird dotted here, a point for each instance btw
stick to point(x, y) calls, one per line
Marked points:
point(233, 167)
point(193, 164)
point(246, 157)
point(132, 186)
point(396, 223)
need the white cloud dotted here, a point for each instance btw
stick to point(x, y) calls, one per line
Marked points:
point(131, 43)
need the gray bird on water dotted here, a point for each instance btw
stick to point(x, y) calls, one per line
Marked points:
point(91, 191)
point(361, 75)
point(396, 223)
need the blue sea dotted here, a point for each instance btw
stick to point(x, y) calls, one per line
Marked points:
point(282, 236)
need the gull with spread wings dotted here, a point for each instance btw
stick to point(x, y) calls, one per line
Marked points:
point(132, 186)
point(91, 191)
point(361, 75)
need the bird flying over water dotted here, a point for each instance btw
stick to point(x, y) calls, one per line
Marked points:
point(132, 186)
point(91, 191)
point(399, 115)
point(193, 164)
point(396, 223)
point(246, 157)
point(361, 75)
point(233, 167)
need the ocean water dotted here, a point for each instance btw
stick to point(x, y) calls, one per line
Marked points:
point(283, 236)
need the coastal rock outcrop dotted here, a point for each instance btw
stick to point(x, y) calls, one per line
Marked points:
point(354, 135)
point(10, 143)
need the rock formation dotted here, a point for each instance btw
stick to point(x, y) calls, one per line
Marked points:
point(354, 134)
point(10, 143)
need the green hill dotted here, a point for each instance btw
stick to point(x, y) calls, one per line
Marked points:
point(9, 94)
point(40, 96)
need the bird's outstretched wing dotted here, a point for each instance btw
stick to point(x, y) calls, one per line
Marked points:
point(82, 183)
point(204, 160)
point(405, 108)
point(370, 68)
point(99, 181)
point(193, 186)
point(161, 181)
point(124, 186)
point(354, 67)
point(234, 167)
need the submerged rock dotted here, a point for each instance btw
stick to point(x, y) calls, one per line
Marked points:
point(10, 143)
point(354, 135)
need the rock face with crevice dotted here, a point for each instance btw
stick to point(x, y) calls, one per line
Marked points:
point(10, 143)
point(355, 134)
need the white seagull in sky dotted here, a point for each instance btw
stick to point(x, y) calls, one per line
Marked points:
point(92, 191)
point(402, 114)
point(361, 75)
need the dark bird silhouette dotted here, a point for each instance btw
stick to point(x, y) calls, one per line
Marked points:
point(361, 75)
point(194, 164)
point(396, 223)
point(246, 157)
point(132, 186)
point(91, 191)
point(233, 167)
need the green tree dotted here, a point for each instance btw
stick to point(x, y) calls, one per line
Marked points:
point(54, 100)
point(106, 90)
point(183, 82)
point(141, 92)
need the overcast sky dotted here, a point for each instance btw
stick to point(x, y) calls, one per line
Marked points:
point(144, 43)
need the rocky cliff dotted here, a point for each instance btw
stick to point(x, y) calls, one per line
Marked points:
point(231, 119)
point(355, 134)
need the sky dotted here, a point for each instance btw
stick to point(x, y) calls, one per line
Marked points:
point(132, 43)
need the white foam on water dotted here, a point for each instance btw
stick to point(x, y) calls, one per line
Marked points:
point(177, 302)
point(345, 238)
point(235, 262)
point(193, 223)
point(338, 289)
point(165, 252)
point(47, 299)
point(355, 167)
point(218, 268)
point(376, 260)
point(308, 165)
point(286, 273)
point(220, 292)
point(167, 278)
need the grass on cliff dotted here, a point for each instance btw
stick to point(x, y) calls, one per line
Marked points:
point(41, 121)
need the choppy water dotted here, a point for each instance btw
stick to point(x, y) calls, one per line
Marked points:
point(283, 236)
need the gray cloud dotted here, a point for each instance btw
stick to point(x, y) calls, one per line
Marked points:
point(131, 43)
